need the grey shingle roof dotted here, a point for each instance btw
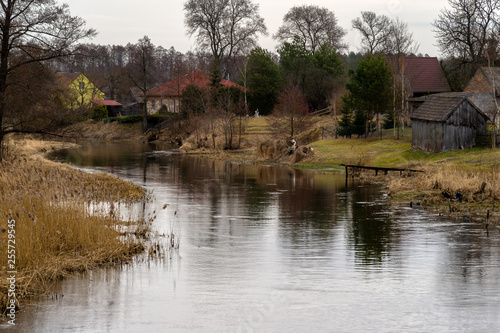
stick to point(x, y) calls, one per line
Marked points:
point(438, 107)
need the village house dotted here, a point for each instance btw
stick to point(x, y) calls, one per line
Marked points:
point(447, 121)
point(422, 76)
point(169, 94)
point(484, 80)
point(81, 90)
point(133, 102)
point(486, 85)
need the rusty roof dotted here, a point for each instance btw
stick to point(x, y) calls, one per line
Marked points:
point(424, 73)
point(175, 87)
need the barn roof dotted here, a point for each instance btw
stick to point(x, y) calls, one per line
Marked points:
point(439, 107)
point(424, 73)
point(175, 87)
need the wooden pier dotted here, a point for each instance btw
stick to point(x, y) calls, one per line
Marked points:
point(377, 169)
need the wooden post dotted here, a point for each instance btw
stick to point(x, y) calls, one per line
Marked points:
point(346, 176)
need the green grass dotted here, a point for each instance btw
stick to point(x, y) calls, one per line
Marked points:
point(391, 152)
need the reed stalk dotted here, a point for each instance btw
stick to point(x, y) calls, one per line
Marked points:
point(57, 228)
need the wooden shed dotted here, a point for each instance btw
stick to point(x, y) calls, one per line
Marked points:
point(447, 122)
point(114, 108)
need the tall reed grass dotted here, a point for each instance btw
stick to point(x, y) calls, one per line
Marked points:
point(441, 182)
point(57, 228)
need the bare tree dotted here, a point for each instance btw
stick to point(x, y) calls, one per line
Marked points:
point(224, 27)
point(462, 31)
point(31, 32)
point(141, 71)
point(375, 32)
point(400, 44)
point(36, 104)
point(492, 50)
point(291, 114)
point(313, 26)
point(401, 41)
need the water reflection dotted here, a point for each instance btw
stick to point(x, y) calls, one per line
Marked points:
point(274, 249)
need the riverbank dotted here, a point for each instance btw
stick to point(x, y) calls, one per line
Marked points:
point(470, 173)
point(463, 182)
point(459, 183)
point(57, 220)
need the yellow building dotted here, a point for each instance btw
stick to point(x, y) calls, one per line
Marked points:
point(81, 91)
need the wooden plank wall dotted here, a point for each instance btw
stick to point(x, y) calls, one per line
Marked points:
point(457, 132)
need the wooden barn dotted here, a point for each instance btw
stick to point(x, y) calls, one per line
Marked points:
point(447, 122)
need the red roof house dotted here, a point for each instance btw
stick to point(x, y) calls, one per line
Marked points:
point(170, 93)
point(423, 75)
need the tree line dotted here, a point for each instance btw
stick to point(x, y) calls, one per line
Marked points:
point(40, 37)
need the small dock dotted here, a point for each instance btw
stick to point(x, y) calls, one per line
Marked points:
point(376, 169)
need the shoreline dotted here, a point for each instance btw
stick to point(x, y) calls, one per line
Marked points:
point(435, 190)
point(329, 154)
point(456, 184)
point(51, 225)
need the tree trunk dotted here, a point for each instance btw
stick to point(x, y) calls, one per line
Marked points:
point(4, 68)
point(402, 70)
point(145, 117)
point(379, 129)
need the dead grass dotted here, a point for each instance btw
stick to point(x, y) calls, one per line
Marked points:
point(60, 224)
point(98, 130)
point(441, 182)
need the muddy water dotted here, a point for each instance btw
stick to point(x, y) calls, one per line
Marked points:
point(273, 249)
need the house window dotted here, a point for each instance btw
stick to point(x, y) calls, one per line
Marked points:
point(81, 85)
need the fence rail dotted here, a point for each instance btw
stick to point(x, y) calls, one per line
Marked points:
point(486, 139)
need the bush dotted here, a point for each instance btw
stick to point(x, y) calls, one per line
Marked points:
point(129, 119)
point(99, 112)
point(156, 119)
point(109, 120)
point(153, 119)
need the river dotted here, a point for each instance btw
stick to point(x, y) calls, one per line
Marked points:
point(275, 249)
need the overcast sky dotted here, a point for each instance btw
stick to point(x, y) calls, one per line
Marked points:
point(122, 21)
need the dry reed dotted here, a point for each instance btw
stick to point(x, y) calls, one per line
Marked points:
point(442, 182)
point(57, 229)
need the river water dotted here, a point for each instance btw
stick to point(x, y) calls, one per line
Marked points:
point(274, 249)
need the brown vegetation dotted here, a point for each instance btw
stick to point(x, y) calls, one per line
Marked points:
point(442, 183)
point(98, 130)
point(65, 219)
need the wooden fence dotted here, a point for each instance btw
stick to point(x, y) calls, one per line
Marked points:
point(485, 139)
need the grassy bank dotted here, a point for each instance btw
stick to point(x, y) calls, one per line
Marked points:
point(472, 172)
point(58, 228)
